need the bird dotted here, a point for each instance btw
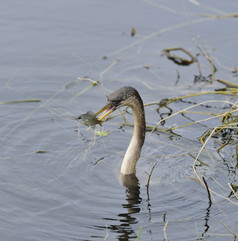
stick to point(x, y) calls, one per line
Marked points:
point(128, 96)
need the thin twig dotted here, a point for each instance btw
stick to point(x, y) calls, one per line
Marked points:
point(227, 143)
point(138, 236)
point(232, 190)
point(227, 84)
point(164, 229)
point(190, 107)
point(98, 161)
point(18, 101)
point(196, 174)
point(106, 236)
point(107, 69)
point(230, 15)
point(148, 182)
point(234, 234)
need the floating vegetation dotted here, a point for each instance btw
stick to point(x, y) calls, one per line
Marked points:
point(224, 134)
point(139, 232)
point(185, 62)
point(177, 59)
point(102, 133)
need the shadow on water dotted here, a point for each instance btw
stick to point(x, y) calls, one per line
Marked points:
point(132, 206)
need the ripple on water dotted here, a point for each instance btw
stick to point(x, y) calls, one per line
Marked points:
point(59, 193)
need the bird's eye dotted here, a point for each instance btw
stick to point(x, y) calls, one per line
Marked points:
point(117, 101)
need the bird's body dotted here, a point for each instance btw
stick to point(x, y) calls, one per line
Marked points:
point(128, 96)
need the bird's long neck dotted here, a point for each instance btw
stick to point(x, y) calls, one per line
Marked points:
point(133, 152)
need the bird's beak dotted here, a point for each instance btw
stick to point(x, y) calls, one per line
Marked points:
point(106, 110)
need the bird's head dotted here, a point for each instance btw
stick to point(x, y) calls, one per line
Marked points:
point(121, 97)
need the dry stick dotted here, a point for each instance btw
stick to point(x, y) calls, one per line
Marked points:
point(219, 184)
point(108, 68)
point(169, 101)
point(227, 84)
point(230, 15)
point(232, 92)
point(145, 83)
point(196, 174)
point(219, 129)
point(204, 102)
point(200, 113)
point(167, 52)
point(199, 153)
point(235, 236)
point(93, 83)
point(18, 101)
point(204, 144)
point(208, 57)
point(98, 161)
point(203, 120)
point(86, 89)
point(86, 78)
point(232, 190)
point(203, 163)
point(218, 150)
point(106, 236)
point(148, 182)
point(164, 229)
point(198, 121)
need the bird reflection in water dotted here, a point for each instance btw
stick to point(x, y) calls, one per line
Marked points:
point(131, 207)
point(128, 218)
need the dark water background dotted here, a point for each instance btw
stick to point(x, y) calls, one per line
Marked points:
point(52, 184)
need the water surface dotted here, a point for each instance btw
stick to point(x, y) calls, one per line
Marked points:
point(61, 182)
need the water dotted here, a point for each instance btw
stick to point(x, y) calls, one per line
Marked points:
point(60, 181)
